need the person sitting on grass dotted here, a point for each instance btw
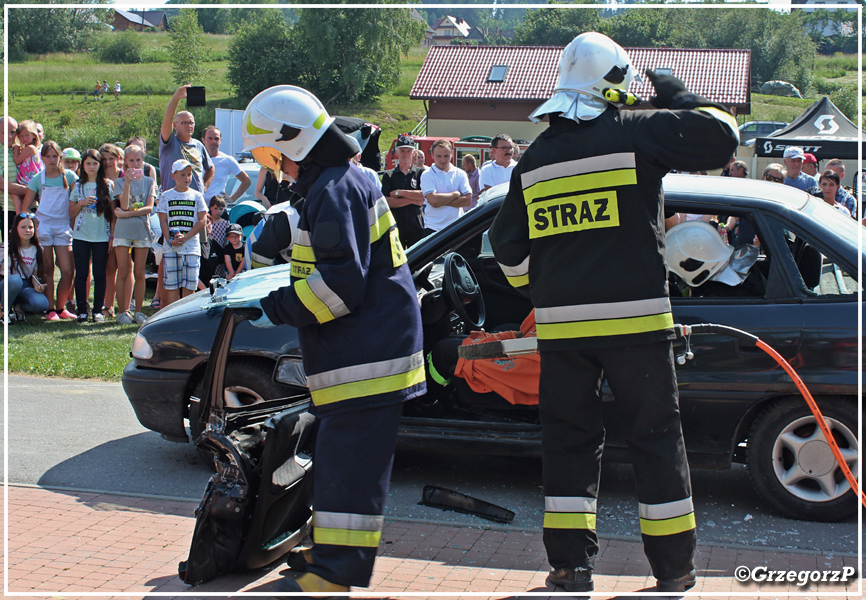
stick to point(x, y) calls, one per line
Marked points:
point(24, 271)
point(181, 247)
point(234, 251)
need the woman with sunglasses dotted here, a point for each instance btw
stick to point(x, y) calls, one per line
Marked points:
point(25, 270)
point(774, 172)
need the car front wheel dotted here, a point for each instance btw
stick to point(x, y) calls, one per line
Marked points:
point(792, 466)
point(247, 382)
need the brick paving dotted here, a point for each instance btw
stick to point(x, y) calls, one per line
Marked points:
point(62, 543)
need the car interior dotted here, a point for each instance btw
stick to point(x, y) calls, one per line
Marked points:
point(789, 265)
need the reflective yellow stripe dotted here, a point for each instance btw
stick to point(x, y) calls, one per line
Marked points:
point(596, 210)
point(320, 120)
point(309, 299)
point(369, 387)
point(569, 520)
point(668, 526)
point(303, 253)
point(347, 537)
point(381, 226)
point(580, 183)
point(581, 329)
point(723, 116)
point(518, 281)
point(398, 256)
point(592, 164)
point(301, 270)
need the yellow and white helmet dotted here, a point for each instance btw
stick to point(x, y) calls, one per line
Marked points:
point(283, 120)
point(589, 65)
point(592, 63)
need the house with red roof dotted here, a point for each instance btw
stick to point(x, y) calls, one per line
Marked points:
point(485, 90)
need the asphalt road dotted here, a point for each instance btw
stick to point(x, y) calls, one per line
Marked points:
point(84, 435)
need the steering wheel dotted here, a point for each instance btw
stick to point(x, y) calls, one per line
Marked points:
point(462, 290)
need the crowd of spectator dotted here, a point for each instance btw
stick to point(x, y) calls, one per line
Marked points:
point(89, 213)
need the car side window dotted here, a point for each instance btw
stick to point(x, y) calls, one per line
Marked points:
point(751, 128)
point(742, 230)
point(821, 274)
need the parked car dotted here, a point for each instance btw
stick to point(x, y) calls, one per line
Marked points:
point(755, 129)
point(737, 405)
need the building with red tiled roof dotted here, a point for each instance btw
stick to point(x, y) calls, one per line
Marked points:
point(497, 87)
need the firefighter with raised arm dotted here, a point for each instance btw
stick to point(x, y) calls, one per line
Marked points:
point(581, 231)
point(353, 302)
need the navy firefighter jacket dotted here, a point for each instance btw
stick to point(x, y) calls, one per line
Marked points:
point(581, 227)
point(351, 296)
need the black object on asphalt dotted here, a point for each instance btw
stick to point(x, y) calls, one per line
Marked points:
point(438, 497)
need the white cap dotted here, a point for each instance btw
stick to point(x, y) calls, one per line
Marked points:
point(794, 152)
point(179, 165)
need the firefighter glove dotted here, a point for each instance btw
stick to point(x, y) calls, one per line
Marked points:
point(670, 90)
point(262, 321)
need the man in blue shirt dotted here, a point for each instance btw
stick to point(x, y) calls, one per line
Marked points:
point(793, 157)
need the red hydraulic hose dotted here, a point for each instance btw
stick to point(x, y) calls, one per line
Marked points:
point(686, 330)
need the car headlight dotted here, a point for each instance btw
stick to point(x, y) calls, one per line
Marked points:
point(141, 348)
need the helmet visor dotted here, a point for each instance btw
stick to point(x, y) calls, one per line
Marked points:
point(269, 158)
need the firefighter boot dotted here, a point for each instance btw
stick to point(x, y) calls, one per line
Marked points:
point(311, 583)
point(680, 584)
point(299, 559)
point(570, 580)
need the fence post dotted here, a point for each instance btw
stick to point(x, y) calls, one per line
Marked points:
point(73, 95)
point(43, 96)
point(148, 94)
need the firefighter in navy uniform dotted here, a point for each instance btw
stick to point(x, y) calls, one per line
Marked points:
point(354, 304)
point(581, 231)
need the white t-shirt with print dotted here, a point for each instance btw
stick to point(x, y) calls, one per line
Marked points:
point(182, 209)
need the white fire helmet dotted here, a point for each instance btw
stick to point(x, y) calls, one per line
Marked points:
point(590, 64)
point(283, 120)
point(696, 252)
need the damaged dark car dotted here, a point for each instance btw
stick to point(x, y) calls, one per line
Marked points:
point(737, 404)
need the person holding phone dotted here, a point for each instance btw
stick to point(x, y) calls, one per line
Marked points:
point(135, 193)
point(176, 143)
point(25, 270)
point(90, 213)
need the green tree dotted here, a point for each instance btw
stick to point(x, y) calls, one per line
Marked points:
point(261, 55)
point(637, 28)
point(555, 26)
point(55, 29)
point(187, 48)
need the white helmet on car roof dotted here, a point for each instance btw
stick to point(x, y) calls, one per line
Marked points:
point(283, 120)
point(695, 251)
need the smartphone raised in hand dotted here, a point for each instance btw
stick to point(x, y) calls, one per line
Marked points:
point(195, 96)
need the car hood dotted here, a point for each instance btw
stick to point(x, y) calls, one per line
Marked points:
point(246, 287)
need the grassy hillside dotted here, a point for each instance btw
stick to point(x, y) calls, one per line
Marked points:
point(42, 89)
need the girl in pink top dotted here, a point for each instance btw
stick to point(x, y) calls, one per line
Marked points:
point(25, 152)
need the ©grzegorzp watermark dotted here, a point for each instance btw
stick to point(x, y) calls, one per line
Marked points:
point(762, 574)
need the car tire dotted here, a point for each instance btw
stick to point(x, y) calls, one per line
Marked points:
point(791, 465)
point(247, 382)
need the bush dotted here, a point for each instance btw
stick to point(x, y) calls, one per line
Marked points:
point(822, 86)
point(121, 48)
point(155, 55)
point(845, 99)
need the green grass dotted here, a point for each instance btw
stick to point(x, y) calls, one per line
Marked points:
point(69, 349)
